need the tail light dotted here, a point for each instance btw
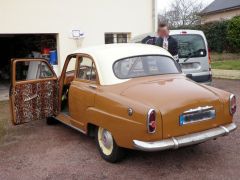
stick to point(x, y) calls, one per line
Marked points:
point(209, 60)
point(232, 104)
point(151, 121)
point(209, 56)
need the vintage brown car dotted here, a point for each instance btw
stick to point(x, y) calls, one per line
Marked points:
point(127, 96)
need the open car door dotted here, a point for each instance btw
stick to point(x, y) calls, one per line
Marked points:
point(34, 90)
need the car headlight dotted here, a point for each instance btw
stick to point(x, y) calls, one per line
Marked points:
point(232, 104)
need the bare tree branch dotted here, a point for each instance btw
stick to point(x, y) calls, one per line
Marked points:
point(182, 13)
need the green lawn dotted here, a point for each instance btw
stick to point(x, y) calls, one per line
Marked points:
point(229, 64)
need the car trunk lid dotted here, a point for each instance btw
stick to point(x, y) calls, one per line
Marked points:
point(173, 97)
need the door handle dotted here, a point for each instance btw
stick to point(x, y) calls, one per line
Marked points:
point(30, 98)
point(93, 86)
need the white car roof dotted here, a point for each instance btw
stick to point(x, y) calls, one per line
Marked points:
point(180, 31)
point(105, 55)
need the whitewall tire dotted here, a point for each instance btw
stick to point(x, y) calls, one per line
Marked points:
point(107, 147)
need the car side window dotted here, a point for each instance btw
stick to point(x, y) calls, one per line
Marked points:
point(32, 70)
point(87, 69)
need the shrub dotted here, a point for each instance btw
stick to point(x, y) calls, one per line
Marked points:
point(233, 33)
point(216, 35)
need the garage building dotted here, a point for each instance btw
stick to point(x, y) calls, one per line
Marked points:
point(53, 29)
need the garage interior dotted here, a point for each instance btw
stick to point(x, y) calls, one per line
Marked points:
point(22, 46)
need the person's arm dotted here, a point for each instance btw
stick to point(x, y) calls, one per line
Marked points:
point(175, 49)
point(148, 40)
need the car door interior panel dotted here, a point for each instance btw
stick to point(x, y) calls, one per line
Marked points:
point(35, 100)
point(34, 90)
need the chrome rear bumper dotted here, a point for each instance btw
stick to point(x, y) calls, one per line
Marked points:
point(186, 140)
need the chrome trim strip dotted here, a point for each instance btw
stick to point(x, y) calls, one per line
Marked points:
point(225, 129)
point(71, 126)
point(176, 144)
point(198, 109)
point(75, 128)
point(186, 140)
point(93, 86)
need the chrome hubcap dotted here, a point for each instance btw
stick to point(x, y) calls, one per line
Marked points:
point(105, 141)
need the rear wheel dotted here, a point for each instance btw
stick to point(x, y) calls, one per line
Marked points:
point(107, 147)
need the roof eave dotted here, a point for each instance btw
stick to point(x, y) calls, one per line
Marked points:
point(218, 11)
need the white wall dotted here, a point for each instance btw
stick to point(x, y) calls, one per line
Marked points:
point(94, 17)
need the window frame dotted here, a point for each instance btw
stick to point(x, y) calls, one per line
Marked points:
point(14, 78)
point(117, 36)
point(177, 65)
point(79, 56)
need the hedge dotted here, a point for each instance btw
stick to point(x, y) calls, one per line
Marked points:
point(233, 33)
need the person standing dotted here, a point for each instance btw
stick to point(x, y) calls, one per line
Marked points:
point(166, 41)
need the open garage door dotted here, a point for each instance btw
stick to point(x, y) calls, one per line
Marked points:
point(23, 46)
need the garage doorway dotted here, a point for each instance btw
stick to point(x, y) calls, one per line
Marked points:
point(22, 46)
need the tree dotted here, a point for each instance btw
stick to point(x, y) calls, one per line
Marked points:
point(182, 13)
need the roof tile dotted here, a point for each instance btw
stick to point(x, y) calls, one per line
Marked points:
point(219, 5)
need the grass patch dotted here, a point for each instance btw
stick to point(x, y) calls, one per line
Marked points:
point(224, 56)
point(229, 65)
point(4, 118)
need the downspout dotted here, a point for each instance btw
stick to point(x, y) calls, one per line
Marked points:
point(154, 15)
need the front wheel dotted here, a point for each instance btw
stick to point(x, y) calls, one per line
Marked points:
point(107, 147)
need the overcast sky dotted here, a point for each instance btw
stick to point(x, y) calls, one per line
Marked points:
point(164, 4)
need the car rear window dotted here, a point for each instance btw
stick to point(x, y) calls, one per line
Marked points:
point(140, 66)
point(190, 45)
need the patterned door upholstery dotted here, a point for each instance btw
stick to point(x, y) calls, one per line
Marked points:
point(35, 100)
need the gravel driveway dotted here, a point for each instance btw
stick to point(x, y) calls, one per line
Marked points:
point(37, 151)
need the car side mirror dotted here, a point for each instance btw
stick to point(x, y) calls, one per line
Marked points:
point(189, 76)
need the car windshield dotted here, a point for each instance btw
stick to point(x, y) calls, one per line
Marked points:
point(190, 45)
point(140, 66)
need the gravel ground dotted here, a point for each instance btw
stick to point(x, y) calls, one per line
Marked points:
point(37, 151)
